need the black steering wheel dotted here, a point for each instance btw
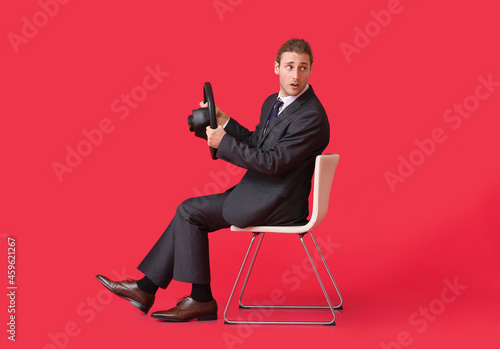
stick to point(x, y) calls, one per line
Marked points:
point(202, 117)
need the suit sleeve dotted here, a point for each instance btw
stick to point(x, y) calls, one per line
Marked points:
point(306, 134)
point(240, 133)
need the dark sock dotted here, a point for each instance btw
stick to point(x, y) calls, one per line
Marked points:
point(147, 285)
point(202, 293)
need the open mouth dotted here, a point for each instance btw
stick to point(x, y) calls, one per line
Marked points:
point(294, 84)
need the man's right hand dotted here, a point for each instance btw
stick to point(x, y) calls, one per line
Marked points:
point(221, 116)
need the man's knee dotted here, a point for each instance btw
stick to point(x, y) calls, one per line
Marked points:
point(191, 208)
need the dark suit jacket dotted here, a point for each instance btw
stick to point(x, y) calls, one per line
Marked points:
point(279, 163)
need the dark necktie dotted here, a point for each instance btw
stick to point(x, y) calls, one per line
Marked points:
point(274, 112)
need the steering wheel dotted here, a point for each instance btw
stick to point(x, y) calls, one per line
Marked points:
point(202, 117)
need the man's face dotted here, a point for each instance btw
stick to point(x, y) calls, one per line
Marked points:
point(294, 71)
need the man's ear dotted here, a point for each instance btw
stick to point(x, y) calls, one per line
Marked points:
point(276, 68)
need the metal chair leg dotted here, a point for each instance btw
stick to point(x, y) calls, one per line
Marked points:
point(226, 320)
point(338, 306)
point(320, 282)
point(249, 271)
point(330, 306)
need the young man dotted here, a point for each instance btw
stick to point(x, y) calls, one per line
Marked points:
point(279, 157)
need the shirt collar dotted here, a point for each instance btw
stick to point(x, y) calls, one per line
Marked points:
point(290, 99)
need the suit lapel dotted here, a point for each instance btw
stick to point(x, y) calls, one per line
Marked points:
point(292, 108)
point(264, 117)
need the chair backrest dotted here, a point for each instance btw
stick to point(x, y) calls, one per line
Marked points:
point(324, 170)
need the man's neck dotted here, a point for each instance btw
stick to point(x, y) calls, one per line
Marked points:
point(290, 99)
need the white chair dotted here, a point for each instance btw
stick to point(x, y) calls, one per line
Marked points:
point(323, 176)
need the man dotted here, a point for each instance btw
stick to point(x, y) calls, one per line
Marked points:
point(279, 157)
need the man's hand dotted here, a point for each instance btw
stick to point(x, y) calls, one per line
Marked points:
point(215, 136)
point(221, 116)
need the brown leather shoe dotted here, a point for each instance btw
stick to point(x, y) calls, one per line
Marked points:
point(188, 309)
point(129, 291)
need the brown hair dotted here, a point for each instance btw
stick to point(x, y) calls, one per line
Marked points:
point(295, 45)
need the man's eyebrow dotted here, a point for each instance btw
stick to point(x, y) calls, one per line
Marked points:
point(292, 62)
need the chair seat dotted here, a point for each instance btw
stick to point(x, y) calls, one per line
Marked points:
point(287, 229)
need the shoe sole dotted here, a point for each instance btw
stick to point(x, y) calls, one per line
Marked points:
point(135, 303)
point(200, 318)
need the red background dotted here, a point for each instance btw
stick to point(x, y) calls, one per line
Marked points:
point(394, 250)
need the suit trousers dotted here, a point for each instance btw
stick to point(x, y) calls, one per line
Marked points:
point(182, 252)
